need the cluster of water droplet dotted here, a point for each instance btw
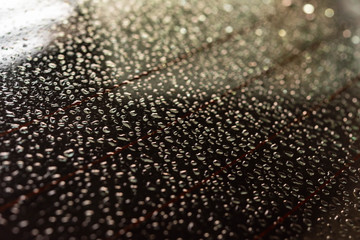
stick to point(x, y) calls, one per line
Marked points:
point(204, 121)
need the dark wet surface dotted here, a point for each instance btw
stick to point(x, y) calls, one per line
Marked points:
point(180, 120)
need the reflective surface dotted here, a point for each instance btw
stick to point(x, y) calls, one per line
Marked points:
point(180, 119)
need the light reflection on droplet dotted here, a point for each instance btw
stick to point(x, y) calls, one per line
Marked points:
point(308, 8)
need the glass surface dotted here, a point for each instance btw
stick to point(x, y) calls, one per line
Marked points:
point(217, 119)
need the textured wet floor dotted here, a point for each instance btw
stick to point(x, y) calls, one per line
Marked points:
point(219, 119)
